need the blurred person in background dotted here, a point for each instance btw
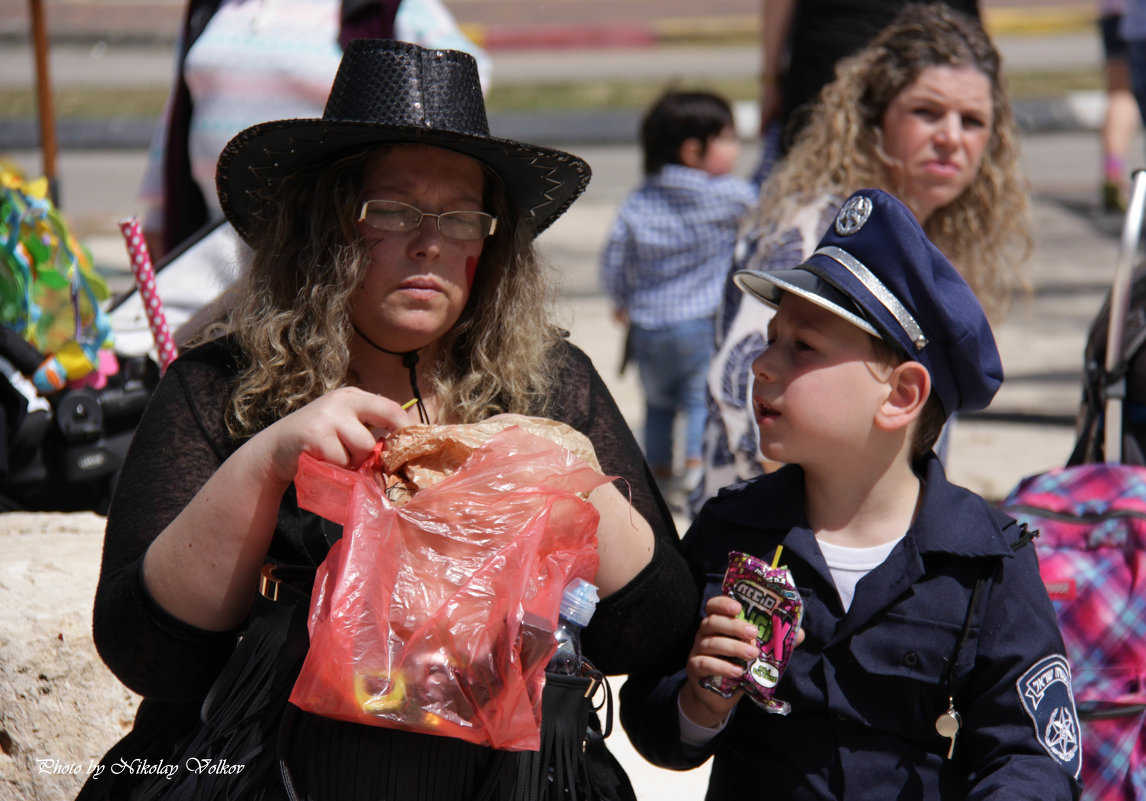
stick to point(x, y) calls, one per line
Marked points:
point(922, 113)
point(1132, 29)
point(239, 63)
point(803, 41)
point(664, 266)
point(1120, 122)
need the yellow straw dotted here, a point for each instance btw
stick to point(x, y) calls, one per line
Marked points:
point(776, 558)
point(409, 403)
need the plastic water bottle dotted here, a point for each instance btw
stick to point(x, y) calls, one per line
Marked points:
point(577, 606)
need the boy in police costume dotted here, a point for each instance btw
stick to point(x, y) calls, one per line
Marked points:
point(932, 664)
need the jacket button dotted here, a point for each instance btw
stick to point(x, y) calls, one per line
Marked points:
point(911, 659)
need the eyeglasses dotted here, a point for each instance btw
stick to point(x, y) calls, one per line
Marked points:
point(395, 217)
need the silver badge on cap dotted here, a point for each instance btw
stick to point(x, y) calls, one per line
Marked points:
point(853, 215)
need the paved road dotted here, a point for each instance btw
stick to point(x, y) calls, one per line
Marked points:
point(507, 24)
point(132, 65)
point(112, 64)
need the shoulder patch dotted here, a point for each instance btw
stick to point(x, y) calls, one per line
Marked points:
point(1046, 695)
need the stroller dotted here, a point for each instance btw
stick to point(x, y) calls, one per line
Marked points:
point(63, 453)
point(1091, 516)
point(69, 402)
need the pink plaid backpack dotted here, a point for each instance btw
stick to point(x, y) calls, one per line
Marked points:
point(1092, 557)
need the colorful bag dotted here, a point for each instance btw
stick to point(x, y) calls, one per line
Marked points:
point(50, 293)
point(437, 616)
point(1092, 557)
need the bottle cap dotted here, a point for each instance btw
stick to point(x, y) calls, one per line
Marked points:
point(579, 601)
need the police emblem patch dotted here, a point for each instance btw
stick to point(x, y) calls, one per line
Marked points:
point(853, 215)
point(1046, 695)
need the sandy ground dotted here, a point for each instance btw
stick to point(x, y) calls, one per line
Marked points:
point(60, 708)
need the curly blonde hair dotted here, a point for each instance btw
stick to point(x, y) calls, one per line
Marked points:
point(985, 232)
point(293, 326)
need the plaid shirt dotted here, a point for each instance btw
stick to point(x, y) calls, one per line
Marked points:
point(671, 245)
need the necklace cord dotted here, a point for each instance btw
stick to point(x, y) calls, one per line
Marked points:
point(410, 362)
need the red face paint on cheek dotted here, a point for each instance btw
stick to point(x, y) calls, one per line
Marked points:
point(471, 270)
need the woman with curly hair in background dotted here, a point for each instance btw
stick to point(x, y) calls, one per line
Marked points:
point(921, 112)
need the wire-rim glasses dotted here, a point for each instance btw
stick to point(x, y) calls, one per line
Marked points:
point(396, 217)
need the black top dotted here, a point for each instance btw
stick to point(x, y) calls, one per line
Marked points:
point(182, 440)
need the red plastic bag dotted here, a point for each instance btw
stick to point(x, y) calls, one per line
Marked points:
point(437, 616)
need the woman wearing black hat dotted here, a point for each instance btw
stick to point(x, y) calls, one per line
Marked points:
point(392, 260)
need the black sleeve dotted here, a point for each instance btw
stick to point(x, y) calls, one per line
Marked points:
point(648, 698)
point(634, 626)
point(175, 449)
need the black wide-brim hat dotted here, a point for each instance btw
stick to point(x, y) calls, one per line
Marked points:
point(390, 92)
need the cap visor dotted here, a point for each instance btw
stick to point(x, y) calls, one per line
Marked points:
point(769, 287)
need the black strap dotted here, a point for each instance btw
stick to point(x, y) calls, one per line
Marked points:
point(572, 763)
point(410, 362)
point(242, 707)
point(1026, 535)
point(948, 679)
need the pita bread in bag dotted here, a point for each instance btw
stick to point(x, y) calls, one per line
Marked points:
point(419, 456)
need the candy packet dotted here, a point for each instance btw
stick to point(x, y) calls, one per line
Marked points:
point(769, 600)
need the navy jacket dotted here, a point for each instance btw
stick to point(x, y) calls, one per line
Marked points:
point(866, 687)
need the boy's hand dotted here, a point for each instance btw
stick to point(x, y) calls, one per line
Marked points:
point(621, 316)
point(720, 637)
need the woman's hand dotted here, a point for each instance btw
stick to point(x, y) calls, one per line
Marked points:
point(341, 428)
point(204, 566)
point(720, 639)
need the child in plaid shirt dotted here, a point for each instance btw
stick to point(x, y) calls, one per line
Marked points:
point(665, 261)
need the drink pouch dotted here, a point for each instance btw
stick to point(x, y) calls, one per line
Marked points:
point(769, 600)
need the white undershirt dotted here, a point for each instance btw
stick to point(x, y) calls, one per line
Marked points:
point(849, 565)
